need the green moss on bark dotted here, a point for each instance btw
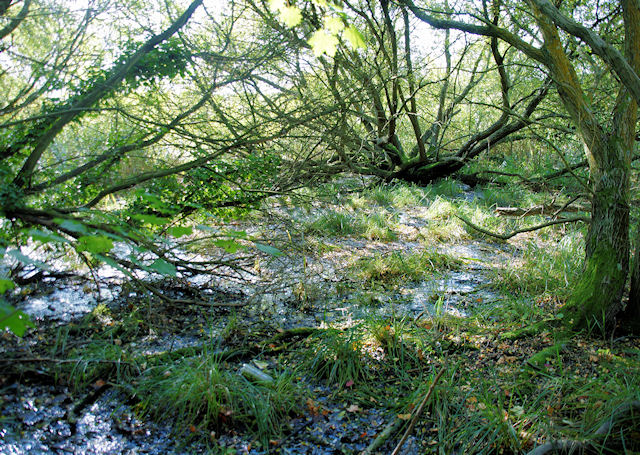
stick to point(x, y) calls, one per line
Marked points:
point(597, 296)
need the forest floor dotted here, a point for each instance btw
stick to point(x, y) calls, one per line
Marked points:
point(368, 302)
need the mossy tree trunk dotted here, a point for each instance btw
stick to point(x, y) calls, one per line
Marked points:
point(597, 298)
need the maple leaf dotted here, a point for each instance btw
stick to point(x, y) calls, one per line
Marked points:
point(355, 38)
point(333, 24)
point(323, 43)
point(277, 5)
point(291, 16)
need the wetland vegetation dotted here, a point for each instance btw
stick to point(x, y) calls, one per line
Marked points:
point(311, 226)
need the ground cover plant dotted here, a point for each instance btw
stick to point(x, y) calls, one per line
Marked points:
point(512, 379)
point(319, 226)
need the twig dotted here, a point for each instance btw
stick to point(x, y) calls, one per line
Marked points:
point(418, 412)
point(155, 291)
point(391, 428)
point(520, 231)
point(552, 210)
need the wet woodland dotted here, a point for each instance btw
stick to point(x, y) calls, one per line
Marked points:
point(319, 227)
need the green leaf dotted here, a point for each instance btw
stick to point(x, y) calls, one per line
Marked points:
point(333, 24)
point(179, 231)
point(273, 251)
point(164, 267)
point(291, 16)
point(46, 237)
point(323, 43)
point(6, 285)
point(236, 234)
point(150, 219)
point(14, 320)
point(73, 226)
point(204, 227)
point(94, 244)
point(229, 245)
point(277, 5)
point(355, 38)
point(16, 254)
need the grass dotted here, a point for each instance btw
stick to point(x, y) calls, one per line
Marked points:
point(376, 361)
point(397, 267)
point(202, 395)
point(335, 223)
point(337, 357)
point(510, 383)
point(396, 195)
point(543, 271)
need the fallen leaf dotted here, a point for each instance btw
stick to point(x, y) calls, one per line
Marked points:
point(353, 408)
point(404, 416)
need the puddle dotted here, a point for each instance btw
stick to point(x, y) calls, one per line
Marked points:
point(285, 292)
point(106, 427)
point(65, 302)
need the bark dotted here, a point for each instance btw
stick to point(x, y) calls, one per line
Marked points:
point(631, 10)
point(13, 23)
point(597, 298)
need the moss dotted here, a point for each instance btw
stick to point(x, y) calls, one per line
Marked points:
point(598, 291)
point(538, 362)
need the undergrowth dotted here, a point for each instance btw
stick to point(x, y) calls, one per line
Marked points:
point(397, 267)
point(203, 395)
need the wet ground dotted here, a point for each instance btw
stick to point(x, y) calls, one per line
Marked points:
point(38, 416)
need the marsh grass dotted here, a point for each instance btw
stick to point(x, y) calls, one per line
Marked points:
point(542, 270)
point(337, 357)
point(398, 267)
point(394, 195)
point(336, 223)
point(201, 395)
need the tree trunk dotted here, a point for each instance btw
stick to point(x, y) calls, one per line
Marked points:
point(597, 298)
point(632, 311)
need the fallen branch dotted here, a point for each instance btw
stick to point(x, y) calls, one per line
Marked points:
point(552, 210)
point(397, 422)
point(155, 291)
point(417, 413)
point(385, 434)
point(523, 230)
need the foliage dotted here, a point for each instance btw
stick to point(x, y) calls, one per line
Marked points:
point(398, 267)
point(204, 396)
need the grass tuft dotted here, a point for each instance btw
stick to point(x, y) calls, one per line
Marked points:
point(397, 267)
point(202, 395)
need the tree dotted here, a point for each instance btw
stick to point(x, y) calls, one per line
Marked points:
point(172, 124)
point(403, 120)
point(608, 145)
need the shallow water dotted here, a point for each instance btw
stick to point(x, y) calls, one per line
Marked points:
point(34, 416)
